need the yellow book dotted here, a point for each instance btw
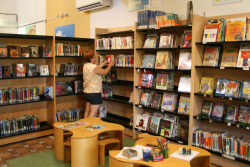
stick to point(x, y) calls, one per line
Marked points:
point(236, 29)
point(162, 60)
point(184, 105)
point(207, 86)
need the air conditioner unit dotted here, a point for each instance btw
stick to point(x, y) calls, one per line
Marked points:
point(86, 5)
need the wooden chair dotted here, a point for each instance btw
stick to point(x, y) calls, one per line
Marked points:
point(113, 144)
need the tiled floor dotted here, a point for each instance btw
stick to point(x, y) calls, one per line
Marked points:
point(24, 148)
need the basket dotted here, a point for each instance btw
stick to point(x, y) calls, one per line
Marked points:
point(129, 153)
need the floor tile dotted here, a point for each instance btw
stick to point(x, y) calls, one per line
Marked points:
point(44, 138)
point(15, 145)
point(36, 146)
point(6, 154)
point(29, 142)
point(22, 150)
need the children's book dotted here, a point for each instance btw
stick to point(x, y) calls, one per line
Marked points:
point(154, 123)
point(232, 89)
point(218, 109)
point(221, 87)
point(148, 61)
point(146, 78)
point(243, 58)
point(206, 108)
point(4, 51)
point(230, 113)
point(20, 70)
point(246, 90)
point(229, 57)
point(101, 58)
point(25, 51)
point(169, 101)
point(151, 40)
point(156, 100)
point(110, 59)
point(165, 40)
point(184, 105)
point(14, 51)
point(185, 60)
point(34, 51)
point(162, 81)
point(207, 85)
point(144, 98)
point(235, 30)
point(185, 83)
point(244, 114)
point(210, 35)
point(142, 122)
point(73, 125)
point(94, 127)
point(150, 97)
point(220, 25)
point(166, 128)
point(48, 92)
point(211, 56)
point(162, 60)
point(187, 39)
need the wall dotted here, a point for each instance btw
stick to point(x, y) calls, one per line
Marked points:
point(58, 7)
point(8, 6)
point(118, 15)
point(30, 11)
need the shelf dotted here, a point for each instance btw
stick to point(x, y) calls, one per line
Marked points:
point(173, 91)
point(121, 83)
point(160, 49)
point(221, 121)
point(26, 77)
point(3, 35)
point(43, 126)
point(119, 67)
point(153, 69)
point(42, 99)
point(220, 154)
point(116, 50)
point(221, 43)
point(69, 76)
point(119, 99)
point(69, 56)
point(222, 68)
point(69, 94)
point(74, 39)
point(118, 120)
point(117, 32)
point(26, 57)
point(165, 28)
point(174, 112)
point(173, 139)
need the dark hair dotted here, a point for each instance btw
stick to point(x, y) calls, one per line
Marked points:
point(88, 55)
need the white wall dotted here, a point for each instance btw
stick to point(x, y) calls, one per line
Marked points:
point(30, 11)
point(8, 6)
point(119, 16)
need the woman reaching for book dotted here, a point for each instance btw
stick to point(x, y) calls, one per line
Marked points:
point(92, 82)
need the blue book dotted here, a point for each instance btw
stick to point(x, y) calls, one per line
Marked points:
point(221, 87)
point(48, 92)
point(148, 61)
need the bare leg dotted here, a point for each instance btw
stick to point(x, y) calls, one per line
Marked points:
point(94, 110)
point(87, 110)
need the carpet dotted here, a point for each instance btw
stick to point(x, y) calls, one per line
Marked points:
point(48, 159)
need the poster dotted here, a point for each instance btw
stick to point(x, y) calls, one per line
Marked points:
point(65, 31)
point(30, 30)
point(155, 3)
point(222, 2)
point(135, 5)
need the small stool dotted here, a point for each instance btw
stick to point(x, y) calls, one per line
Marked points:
point(101, 148)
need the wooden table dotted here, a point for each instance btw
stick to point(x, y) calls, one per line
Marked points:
point(84, 143)
point(203, 159)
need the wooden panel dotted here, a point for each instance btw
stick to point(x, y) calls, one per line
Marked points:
point(120, 109)
point(121, 90)
point(128, 132)
point(67, 102)
point(218, 160)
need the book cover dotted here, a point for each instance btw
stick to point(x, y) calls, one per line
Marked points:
point(168, 101)
point(144, 98)
point(45, 51)
point(214, 23)
point(58, 89)
point(185, 59)
point(210, 35)
point(235, 30)
point(207, 86)
point(94, 127)
point(69, 88)
point(32, 69)
point(148, 61)
point(109, 92)
point(218, 109)
point(185, 83)
point(151, 41)
point(162, 81)
point(187, 40)
point(162, 60)
point(232, 89)
point(221, 87)
point(166, 128)
point(113, 76)
point(183, 132)
point(244, 114)
point(1, 71)
point(43, 70)
point(141, 122)
point(20, 70)
point(101, 59)
point(48, 92)
point(156, 100)
point(154, 124)
point(229, 57)
point(230, 113)
point(165, 40)
point(246, 90)
point(244, 58)
point(110, 59)
point(211, 56)
point(206, 108)
point(6, 72)
point(25, 51)
point(184, 105)
point(4, 51)
point(14, 51)
point(146, 78)
point(34, 51)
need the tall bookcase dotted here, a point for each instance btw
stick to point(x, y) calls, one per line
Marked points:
point(119, 110)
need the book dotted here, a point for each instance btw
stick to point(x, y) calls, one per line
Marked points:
point(220, 25)
point(156, 100)
point(151, 40)
point(14, 51)
point(246, 90)
point(187, 39)
point(43, 70)
point(206, 108)
point(185, 83)
point(4, 51)
point(218, 109)
point(229, 57)
point(235, 29)
point(25, 51)
point(144, 98)
point(110, 59)
point(34, 51)
point(142, 122)
point(232, 89)
point(69, 87)
point(6, 71)
point(244, 56)
point(101, 59)
point(183, 132)
point(162, 81)
point(1, 71)
point(146, 78)
point(169, 101)
point(131, 98)
point(207, 85)
point(230, 113)
point(48, 92)
point(244, 115)
point(113, 76)
point(166, 128)
point(185, 60)
point(45, 51)
point(211, 56)
point(154, 123)
point(19, 70)
point(184, 105)
point(31, 69)
point(210, 35)
point(148, 61)
point(221, 87)
point(165, 40)
point(103, 111)
point(94, 127)
point(162, 60)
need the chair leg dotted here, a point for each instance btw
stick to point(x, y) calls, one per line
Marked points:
point(101, 156)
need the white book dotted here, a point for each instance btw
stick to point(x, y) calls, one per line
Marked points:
point(210, 35)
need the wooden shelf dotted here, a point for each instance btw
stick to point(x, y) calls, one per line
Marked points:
point(26, 57)
point(43, 126)
point(81, 75)
point(160, 49)
point(219, 97)
point(221, 43)
point(165, 28)
point(117, 32)
point(4, 35)
point(74, 39)
point(68, 56)
point(121, 83)
point(119, 67)
point(173, 91)
point(153, 69)
point(221, 68)
point(118, 120)
point(69, 94)
point(42, 99)
point(116, 50)
point(173, 112)
point(119, 99)
point(26, 77)
point(172, 139)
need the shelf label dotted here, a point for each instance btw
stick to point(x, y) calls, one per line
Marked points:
point(162, 110)
point(246, 100)
point(230, 98)
point(222, 68)
point(138, 70)
point(246, 68)
point(145, 71)
point(238, 125)
point(205, 95)
point(228, 157)
point(197, 117)
point(140, 106)
point(139, 87)
point(139, 130)
point(204, 43)
point(228, 124)
point(180, 142)
point(210, 120)
point(247, 128)
point(157, 28)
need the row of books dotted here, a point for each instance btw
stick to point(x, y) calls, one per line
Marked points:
point(121, 60)
point(168, 40)
point(115, 43)
point(155, 19)
point(218, 30)
point(225, 88)
point(162, 124)
point(70, 69)
point(107, 91)
point(232, 56)
point(64, 88)
point(232, 113)
point(27, 123)
point(23, 70)
point(111, 77)
point(67, 49)
point(166, 101)
point(223, 143)
point(69, 115)
point(166, 60)
point(25, 51)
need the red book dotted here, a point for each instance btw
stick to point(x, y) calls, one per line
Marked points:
point(20, 70)
point(146, 79)
point(110, 59)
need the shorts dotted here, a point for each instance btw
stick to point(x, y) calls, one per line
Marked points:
point(93, 98)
